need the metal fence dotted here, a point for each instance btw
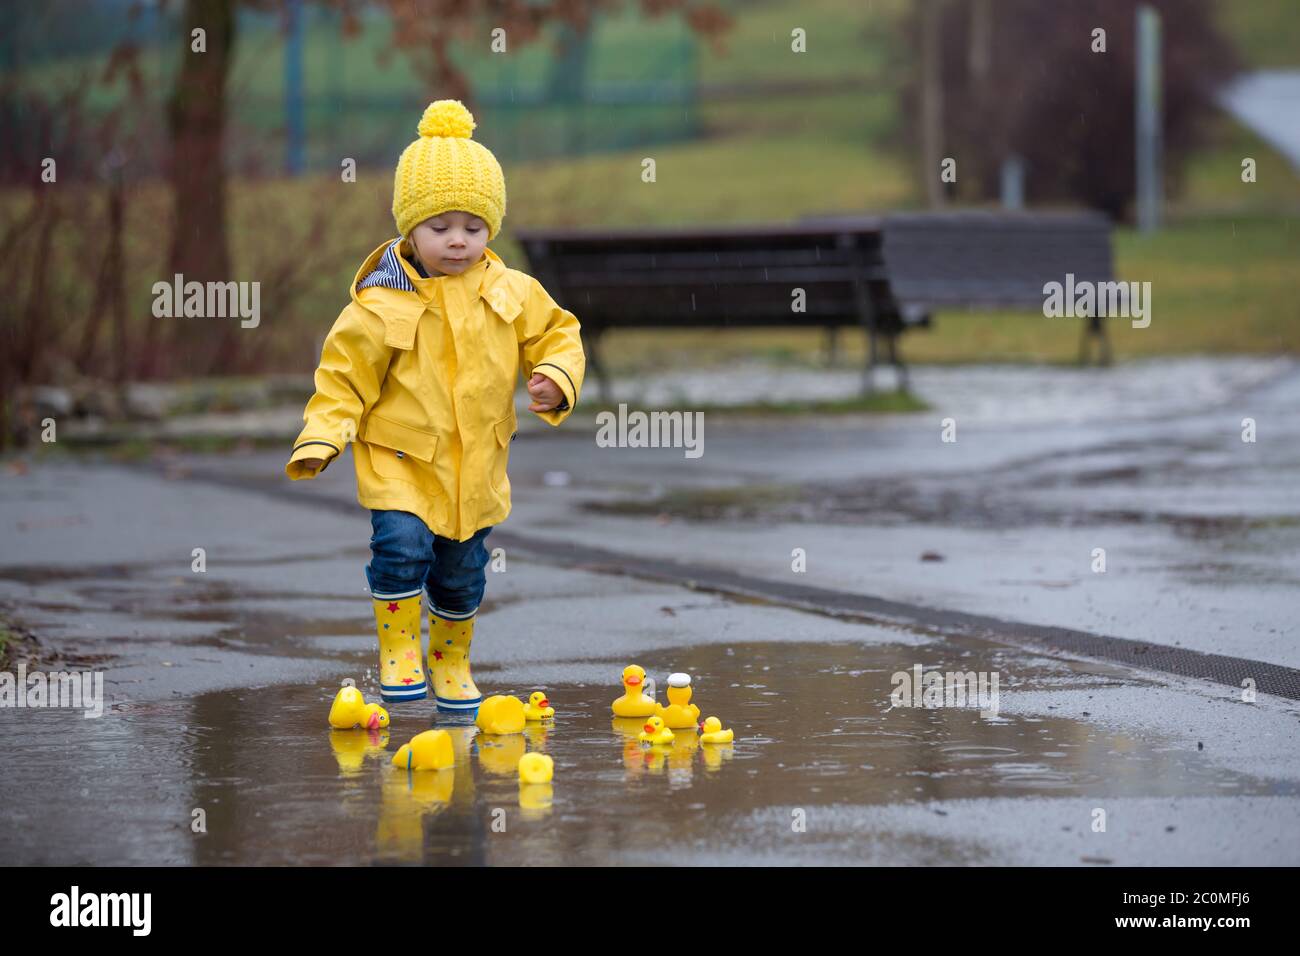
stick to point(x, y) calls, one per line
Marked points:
point(302, 95)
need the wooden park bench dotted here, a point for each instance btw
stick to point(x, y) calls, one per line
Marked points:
point(884, 274)
point(975, 259)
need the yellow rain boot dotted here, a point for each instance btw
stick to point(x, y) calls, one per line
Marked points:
point(398, 621)
point(449, 639)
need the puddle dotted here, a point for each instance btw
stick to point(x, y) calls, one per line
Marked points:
point(276, 786)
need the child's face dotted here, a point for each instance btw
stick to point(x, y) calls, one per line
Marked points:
point(450, 242)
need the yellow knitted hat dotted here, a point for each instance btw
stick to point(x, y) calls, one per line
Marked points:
point(444, 170)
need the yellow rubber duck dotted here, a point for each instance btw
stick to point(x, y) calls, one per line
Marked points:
point(351, 710)
point(656, 733)
point(536, 768)
point(538, 707)
point(430, 750)
point(680, 714)
point(501, 714)
point(638, 698)
point(713, 733)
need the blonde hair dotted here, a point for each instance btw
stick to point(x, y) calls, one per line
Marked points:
point(407, 250)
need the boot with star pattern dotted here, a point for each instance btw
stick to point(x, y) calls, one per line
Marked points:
point(397, 619)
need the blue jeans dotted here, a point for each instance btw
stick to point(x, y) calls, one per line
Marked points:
point(406, 555)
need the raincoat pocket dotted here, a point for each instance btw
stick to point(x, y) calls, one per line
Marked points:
point(395, 444)
point(505, 432)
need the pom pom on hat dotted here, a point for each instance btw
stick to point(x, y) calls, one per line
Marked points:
point(447, 118)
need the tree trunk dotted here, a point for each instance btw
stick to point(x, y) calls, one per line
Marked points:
point(199, 247)
point(931, 103)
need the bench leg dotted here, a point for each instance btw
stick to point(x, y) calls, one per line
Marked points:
point(591, 346)
point(1105, 340)
point(868, 371)
point(831, 345)
point(896, 360)
point(1095, 328)
point(866, 310)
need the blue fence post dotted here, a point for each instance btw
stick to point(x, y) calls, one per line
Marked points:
point(293, 106)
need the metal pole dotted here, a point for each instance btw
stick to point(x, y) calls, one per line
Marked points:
point(1013, 182)
point(1150, 187)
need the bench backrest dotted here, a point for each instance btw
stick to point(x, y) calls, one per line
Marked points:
point(986, 260)
point(741, 276)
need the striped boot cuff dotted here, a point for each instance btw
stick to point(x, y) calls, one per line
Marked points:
point(403, 692)
point(451, 615)
point(381, 596)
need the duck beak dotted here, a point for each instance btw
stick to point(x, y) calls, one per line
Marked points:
point(373, 724)
point(544, 703)
point(649, 728)
point(634, 680)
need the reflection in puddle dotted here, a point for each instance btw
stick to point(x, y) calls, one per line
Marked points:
point(276, 785)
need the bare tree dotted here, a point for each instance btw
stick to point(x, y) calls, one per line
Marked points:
point(1029, 78)
point(931, 102)
point(197, 121)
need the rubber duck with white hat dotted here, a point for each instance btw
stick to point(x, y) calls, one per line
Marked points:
point(680, 714)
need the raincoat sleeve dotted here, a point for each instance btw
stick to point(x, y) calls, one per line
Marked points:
point(550, 342)
point(353, 364)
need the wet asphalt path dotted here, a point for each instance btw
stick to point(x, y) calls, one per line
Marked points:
point(219, 681)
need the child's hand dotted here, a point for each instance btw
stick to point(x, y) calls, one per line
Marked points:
point(312, 463)
point(544, 393)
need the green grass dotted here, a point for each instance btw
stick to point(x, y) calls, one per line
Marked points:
point(844, 42)
point(732, 180)
point(1219, 285)
point(1265, 31)
point(1212, 176)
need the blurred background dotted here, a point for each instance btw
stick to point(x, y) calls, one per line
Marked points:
point(231, 165)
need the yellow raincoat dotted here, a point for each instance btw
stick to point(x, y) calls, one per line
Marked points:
point(424, 382)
